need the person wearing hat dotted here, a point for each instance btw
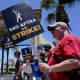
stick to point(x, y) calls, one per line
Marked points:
point(48, 51)
point(18, 66)
point(64, 53)
point(47, 47)
point(35, 69)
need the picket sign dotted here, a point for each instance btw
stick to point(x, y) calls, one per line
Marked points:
point(37, 55)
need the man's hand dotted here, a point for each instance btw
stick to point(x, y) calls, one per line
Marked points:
point(11, 59)
point(65, 65)
point(44, 67)
point(16, 77)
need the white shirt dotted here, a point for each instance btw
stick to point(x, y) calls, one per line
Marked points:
point(24, 68)
point(29, 69)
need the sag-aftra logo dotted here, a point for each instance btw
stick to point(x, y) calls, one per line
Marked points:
point(22, 24)
point(18, 15)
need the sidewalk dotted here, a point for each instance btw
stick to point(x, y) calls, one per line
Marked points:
point(6, 76)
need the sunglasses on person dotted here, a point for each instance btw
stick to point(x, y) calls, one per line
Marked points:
point(56, 27)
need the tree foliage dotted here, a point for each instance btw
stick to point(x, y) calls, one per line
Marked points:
point(68, 2)
point(59, 12)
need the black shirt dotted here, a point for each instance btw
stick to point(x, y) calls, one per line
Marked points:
point(18, 62)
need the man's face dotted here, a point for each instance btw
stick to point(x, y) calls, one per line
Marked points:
point(36, 61)
point(16, 55)
point(47, 49)
point(57, 32)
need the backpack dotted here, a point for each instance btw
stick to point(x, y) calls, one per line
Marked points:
point(76, 75)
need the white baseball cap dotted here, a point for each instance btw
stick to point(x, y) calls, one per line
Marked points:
point(51, 27)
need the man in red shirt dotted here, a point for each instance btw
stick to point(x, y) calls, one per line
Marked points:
point(66, 50)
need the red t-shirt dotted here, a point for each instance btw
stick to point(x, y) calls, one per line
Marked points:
point(68, 46)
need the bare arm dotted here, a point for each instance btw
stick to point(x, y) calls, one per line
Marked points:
point(63, 66)
point(20, 67)
point(19, 71)
point(24, 65)
point(12, 61)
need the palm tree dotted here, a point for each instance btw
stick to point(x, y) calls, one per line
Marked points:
point(69, 2)
point(59, 12)
point(3, 34)
point(6, 65)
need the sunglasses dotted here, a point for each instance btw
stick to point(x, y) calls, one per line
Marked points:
point(53, 28)
point(57, 27)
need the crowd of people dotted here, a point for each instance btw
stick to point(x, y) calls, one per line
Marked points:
point(60, 61)
point(28, 69)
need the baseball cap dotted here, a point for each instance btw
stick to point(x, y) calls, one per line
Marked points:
point(51, 27)
point(47, 45)
point(17, 52)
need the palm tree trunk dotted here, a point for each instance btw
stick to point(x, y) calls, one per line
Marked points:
point(7, 59)
point(2, 56)
point(61, 14)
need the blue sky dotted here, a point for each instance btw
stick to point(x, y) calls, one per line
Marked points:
point(73, 14)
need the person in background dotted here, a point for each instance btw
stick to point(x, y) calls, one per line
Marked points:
point(47, 47)
point(42, 56)
point(18, 66)
point(67, 52)
point(29, 69)
point(48, 50)
point(32, 59)
point(22, 71)
point(36, 70)
point(25, 72)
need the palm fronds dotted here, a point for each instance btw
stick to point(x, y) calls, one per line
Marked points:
point(50, 17)
point(68, 2)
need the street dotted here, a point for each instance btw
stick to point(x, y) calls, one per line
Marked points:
point(6, 77)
